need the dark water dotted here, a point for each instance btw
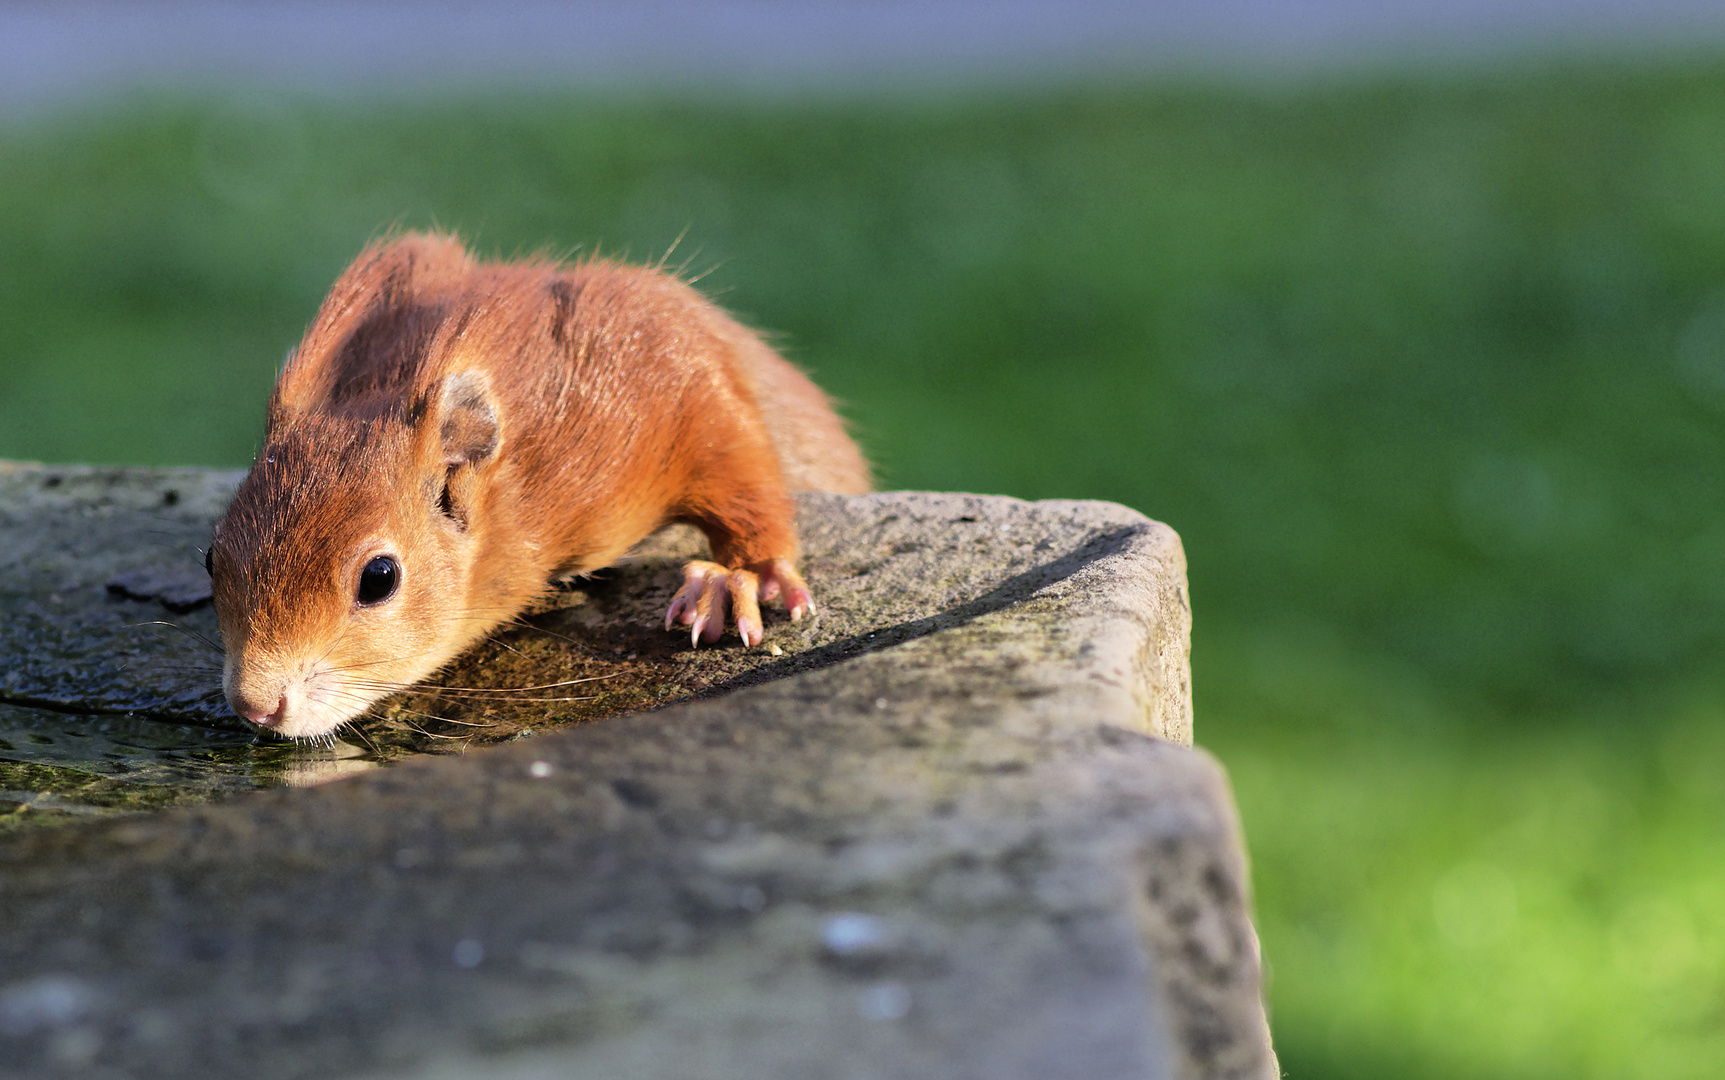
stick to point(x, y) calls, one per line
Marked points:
point(57, 766)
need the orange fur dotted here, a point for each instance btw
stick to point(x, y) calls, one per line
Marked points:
point(492, 426)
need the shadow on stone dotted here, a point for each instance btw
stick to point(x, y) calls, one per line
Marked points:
point(1015, 590)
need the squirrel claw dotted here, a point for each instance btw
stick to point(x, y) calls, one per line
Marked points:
point(780, 579)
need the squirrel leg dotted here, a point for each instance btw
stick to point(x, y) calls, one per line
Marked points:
point(740, 502)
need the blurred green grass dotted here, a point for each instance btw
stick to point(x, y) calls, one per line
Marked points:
point(1429, 372)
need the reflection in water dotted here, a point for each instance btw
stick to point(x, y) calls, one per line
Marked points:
point(309, 766)
point(53, 765)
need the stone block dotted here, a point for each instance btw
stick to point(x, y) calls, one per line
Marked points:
point(949, 828)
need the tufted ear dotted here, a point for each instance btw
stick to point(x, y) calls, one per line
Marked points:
point(468, 425)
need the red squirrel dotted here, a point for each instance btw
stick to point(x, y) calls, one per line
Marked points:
point(451, 435)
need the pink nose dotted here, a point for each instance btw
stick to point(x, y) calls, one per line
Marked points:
point(261, 715)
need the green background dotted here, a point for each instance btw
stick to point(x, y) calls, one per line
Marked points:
point(1428, 371)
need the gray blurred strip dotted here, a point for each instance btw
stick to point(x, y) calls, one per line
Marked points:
point(56, 52)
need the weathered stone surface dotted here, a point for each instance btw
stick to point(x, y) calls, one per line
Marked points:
point(66, 642)
point(886, 571)
point(933, 837)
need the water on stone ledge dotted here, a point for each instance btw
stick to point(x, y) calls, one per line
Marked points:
point(58, 766)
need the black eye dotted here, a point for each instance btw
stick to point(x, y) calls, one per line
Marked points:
point(208, 567)
point(378, 580)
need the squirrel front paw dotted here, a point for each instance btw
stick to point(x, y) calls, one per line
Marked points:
point(708, 589)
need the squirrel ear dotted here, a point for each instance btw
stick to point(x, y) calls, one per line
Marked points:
point(469, 427)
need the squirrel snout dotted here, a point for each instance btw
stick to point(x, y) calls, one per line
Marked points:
point(259, 710)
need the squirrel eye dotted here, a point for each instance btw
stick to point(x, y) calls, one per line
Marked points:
point(377, 582)
point(209, 567)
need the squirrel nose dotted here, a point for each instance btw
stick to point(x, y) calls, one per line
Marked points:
point(259, 714)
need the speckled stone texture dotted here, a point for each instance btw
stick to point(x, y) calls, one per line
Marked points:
point(936, 835)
